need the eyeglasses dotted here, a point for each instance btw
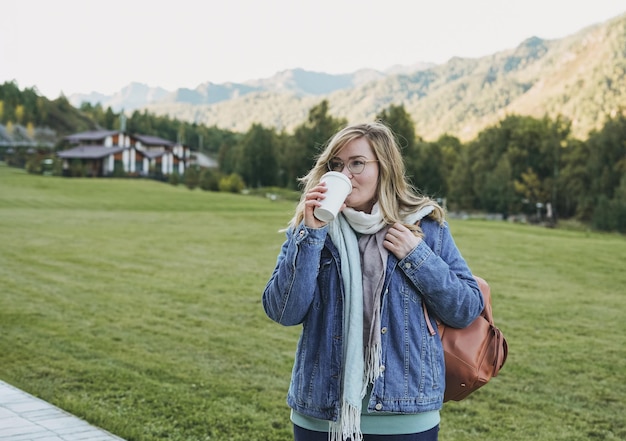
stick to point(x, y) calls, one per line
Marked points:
point(355, 165)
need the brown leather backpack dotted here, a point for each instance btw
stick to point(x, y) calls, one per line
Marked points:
point(474, 354)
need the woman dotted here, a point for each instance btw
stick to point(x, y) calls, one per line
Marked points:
point(366, 365)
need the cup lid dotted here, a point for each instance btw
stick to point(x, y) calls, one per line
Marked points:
point(340, 176)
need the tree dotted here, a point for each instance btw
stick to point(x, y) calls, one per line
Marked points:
point(530, 187)
point(19, 113)
point(450, 147)
point(258, 164)
point(606, 167)
point(400, 122)
point(518, 145)
point(210, 139)
point(41, 110)
point(301, 150)
point(574, 181)
point(228, 156)
point(607, 160)
point(427, 169)
point(110, 119)
point(461, 184)
point(414, 150)
point(435, 165)
point(30, 130)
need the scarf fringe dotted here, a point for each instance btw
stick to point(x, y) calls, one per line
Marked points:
point(373, 355)
point(348, 426)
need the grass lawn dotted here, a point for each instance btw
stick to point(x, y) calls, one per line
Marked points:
point(136, 305)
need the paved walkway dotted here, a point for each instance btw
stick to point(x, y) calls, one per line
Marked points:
point(27, 418)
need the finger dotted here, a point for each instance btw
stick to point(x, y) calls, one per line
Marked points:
point(388, 245)
point(314, 195)
point(394, 234)
point(401, 228)
point(311, 204)
point(391, 243)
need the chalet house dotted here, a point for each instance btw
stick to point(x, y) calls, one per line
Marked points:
point(104, 152)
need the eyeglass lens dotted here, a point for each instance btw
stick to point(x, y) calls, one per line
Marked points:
point(355, 165)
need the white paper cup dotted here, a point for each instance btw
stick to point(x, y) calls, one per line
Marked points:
point(338, 188)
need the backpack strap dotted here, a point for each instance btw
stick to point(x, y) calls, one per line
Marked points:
point(431, 330)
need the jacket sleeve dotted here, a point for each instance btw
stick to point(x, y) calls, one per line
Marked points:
point(290, 291)
point(443, 278)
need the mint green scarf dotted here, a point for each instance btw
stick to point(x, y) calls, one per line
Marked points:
point(355, 375)
point(348, 424)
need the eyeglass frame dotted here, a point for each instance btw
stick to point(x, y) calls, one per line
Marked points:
point(344, 164)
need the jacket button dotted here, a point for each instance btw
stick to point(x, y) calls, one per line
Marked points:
point(382, 368)
point(384, 330)
point(407, 265)
point(378, 406)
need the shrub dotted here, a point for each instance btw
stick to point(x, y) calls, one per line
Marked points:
point(210, 180)
point(174, 179)
point(232, 183)
point(33, 165)
point(191, 178)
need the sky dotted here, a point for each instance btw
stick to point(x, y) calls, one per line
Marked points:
point(80, 46)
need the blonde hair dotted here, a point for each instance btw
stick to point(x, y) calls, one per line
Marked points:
point(396, 196)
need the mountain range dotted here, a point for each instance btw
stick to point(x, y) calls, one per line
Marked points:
point(581, 77)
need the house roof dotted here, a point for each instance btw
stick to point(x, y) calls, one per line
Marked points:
point(203, 160)
point(153, 155)
point(159, 154)
point(153, 140)
point(97, 135)
point(90, 136)
point(89, 152)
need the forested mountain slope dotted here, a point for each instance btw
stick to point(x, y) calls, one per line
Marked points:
point(581, 77)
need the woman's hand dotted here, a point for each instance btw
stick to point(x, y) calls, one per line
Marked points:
point(311, 201)
point(400, 240)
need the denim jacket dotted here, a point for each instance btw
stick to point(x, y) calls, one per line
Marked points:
point(306, 288)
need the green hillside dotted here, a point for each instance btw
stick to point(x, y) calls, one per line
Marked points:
point(582, 77)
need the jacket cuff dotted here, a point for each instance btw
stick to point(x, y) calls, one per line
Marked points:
point(412, 262)
point(310, 236)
